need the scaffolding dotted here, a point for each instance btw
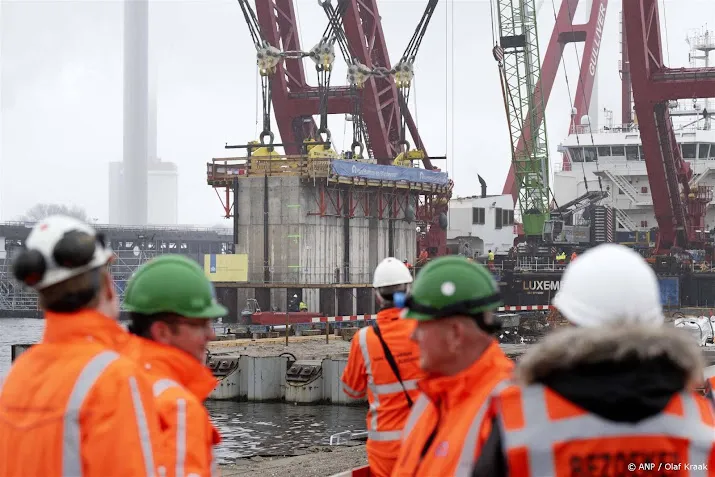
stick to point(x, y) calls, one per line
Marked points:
point(132, 246)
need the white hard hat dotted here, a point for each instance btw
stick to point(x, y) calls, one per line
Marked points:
point(59, 248)
point(389, 272)
point(610, 284)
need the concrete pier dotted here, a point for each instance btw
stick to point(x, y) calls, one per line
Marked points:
point(295, 231)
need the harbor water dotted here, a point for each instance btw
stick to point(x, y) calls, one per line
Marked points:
point(248, 429)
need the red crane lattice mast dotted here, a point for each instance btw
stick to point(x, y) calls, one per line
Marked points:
point(295, 102)
point(679, 209)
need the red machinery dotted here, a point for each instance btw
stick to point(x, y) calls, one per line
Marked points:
point(679, 209)
point(295, 102)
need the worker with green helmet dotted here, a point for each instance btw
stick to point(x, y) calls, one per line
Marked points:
point(172, 305)
point(453, 301)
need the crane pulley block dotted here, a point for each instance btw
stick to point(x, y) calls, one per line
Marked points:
point(404, 73)
point(323, 55)
point(268, 58)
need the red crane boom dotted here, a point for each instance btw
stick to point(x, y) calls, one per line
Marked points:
point(679, 210)
point(295, 102)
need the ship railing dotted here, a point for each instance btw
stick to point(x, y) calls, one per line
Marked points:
point(680, 125)
point(618, 129)
point(536, 266)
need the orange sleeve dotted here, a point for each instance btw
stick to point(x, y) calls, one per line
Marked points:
point(186, 435)
point(120, 424)
point(354, 377)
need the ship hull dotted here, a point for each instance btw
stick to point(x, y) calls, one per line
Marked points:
point(696, 290)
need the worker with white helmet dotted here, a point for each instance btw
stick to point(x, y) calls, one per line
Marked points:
point(72, 405)
point(384, 363)
point(613, 392)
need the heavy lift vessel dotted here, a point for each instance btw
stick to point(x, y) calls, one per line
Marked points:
point(679, 207)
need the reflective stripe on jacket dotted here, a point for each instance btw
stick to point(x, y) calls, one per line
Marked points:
point(446, 428)
point(368, 371)
point(180, 385)
point(73, 406)
point(544, 434)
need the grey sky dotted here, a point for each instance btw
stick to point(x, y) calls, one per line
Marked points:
point(62, 92)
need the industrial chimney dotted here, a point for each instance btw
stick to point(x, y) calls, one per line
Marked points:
point(136, 111)
point(484, 186)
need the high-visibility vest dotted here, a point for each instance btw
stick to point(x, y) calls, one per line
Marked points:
point(369, 372)
point(388, 406)
point(545, 434)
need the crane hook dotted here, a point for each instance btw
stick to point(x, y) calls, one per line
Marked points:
point(328, 136)
point(263, 135)
point(355, 146)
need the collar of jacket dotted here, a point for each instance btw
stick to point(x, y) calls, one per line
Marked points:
point(388, 314)
point(84, 325)
point(449, 391)
point(173, 363)
point(573, 347)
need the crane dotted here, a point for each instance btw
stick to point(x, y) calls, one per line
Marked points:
point(679, 208)
point(567, 31)
point(375, 98)
point(519, 65)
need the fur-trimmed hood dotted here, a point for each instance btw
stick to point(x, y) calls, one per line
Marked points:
point(599, 368)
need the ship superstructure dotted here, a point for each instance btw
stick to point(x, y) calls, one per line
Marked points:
point(613, 155)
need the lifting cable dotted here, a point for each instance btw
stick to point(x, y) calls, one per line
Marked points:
point(583, 94)
point(404, 69)
point(336, 33)
point(268, 58)
point(499, 56)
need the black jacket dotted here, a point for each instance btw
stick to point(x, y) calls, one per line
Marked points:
point(621, 374)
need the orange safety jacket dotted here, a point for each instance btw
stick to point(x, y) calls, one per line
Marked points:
point(368, 371)
point(73, 406)
point(544, 434)
point(710, 388)
point(446, 429)
point(180, 385)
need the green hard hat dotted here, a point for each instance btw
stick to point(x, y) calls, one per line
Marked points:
point(449, 286)
point(172, 284)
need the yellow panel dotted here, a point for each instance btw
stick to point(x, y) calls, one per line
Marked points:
point(226, 267)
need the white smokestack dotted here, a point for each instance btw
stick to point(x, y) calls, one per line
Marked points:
point(136, 114)
point(153, 154)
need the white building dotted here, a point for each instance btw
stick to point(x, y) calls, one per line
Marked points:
point(163, 194)
point(479, 224)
